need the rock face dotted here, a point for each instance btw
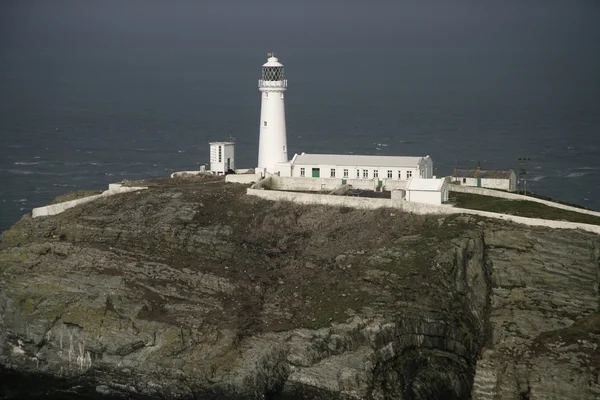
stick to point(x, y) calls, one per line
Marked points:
point(191, 289)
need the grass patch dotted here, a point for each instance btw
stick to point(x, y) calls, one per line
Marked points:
point(522, 208)
point(548, 198)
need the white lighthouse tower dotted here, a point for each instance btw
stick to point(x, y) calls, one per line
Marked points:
point(272, 146)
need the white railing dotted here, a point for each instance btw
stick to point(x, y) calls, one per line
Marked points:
point(273, 84)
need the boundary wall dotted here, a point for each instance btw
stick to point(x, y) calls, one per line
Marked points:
point(416, 208)
point(514, 196)
point(329, 184)
point(243, 178)
point(53, 209)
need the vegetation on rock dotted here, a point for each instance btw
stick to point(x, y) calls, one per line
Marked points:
point(193, 289)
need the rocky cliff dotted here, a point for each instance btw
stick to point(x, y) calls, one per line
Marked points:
point(191, 289)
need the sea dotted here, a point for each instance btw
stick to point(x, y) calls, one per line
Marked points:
point(98, 92)
point(94, 92)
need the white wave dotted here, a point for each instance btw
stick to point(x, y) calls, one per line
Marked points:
point(537, 178)
point(26, 163)
point(19, 172)
point(576, 174)
point(20, 201)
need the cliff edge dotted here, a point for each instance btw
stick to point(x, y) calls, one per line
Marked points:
point(191, 289)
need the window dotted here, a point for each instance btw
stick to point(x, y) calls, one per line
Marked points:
point(357, 173)
point(332, 172)
point(375, 173)
point(265, 123)
point(464, 180)
point(408, 174)
point(399, 174)
point(267, 94)
point(302, 172)
point(345, 173)
point(281, 96)
point(220, 155)
point(365, 173)
point(389, 173)
point(283, 148)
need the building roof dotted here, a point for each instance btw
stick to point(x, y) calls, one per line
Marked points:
point(483, 173)
point(430, 185)
point(225, 143)
point(357, 160)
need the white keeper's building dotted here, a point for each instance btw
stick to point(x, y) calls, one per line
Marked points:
point(349, 166)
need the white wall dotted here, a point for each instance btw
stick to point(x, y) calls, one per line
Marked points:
point(53, 209)
point(219, 165)
point(242, 178)
point(285, 169)
point(514, 196)
point(382, 172)
point(391, 184)
point(416, 208)
point(319, 184)
point(424, 196)
point(489, 183)
point(348, 201)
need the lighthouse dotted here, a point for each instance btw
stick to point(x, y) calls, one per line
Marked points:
point(272, 146)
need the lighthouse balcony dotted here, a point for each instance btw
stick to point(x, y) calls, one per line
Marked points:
point(272, 84)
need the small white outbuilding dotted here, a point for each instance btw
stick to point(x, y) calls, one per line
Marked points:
point(486, 178)
point(222, 156)
point(428, 191)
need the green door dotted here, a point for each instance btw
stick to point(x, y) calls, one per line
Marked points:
point(344, 181)
point(379, 183)
point(478, 182)
point(316, 172)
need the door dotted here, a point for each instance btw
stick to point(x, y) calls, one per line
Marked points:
point(344, 181)
point(478, 182)
point(316, 172)
point(229, 163)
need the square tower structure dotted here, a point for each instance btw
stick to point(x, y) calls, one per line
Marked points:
point(222, 156)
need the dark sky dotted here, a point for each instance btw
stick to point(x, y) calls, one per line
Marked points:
point(340, 25)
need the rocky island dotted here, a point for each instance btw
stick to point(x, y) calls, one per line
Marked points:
point(193, 290)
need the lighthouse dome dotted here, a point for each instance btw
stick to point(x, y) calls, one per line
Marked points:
point(272, 62)
point(272, 70)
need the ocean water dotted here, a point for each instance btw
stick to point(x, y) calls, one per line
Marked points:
point(97, 92)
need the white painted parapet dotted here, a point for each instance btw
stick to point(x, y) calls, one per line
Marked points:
point(415, 208)
point(514, 196)
point(243, 178)
point(53, 209)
